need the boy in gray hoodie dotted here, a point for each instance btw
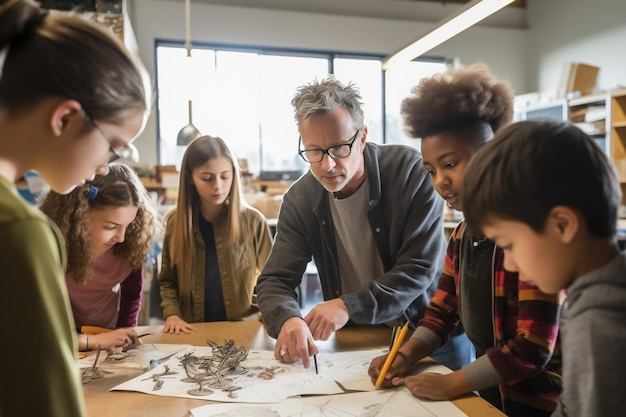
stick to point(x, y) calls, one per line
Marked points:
point(548, 195)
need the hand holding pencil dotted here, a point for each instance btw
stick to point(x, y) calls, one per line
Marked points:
point(376, 372)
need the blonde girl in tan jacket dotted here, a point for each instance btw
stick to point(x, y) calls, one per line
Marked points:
point(215, 244)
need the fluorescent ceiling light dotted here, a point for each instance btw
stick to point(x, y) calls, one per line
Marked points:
point(472, 13)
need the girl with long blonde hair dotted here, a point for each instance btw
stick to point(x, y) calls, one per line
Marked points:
point(215, 244)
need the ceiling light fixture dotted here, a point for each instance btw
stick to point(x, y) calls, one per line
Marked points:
point(189, 132)
point(472, 13)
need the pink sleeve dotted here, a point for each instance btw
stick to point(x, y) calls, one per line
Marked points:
point(130, 302)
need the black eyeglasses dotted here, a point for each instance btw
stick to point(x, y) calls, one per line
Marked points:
point(340, 151)
point(127, 151)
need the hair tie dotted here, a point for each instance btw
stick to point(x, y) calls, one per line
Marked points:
point(93, 192)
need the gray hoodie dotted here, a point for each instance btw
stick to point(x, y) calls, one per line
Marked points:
point(593, 329)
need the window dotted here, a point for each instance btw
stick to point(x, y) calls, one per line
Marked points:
point(244, 96)
point(368, 77)
point(399, 80)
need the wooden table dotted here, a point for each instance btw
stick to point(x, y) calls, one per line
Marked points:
point(250, 333)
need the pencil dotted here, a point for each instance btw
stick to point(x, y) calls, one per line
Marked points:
point(392, 355)
point(394, 333)
point(315, 362)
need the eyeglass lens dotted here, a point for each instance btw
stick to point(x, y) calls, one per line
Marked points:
point(340, 151)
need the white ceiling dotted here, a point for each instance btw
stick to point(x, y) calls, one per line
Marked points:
point(416, 10)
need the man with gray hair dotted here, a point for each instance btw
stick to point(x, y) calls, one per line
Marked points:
point(370, 219)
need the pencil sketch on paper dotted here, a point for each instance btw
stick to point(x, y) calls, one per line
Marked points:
point(213, 371)
point(382, 403)
point(157, 378)
point(92, 372)
point(350, 368)
point(136, 358)
point(230, 373)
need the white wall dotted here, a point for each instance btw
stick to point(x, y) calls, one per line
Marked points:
point(588, 31)
point(504, 50)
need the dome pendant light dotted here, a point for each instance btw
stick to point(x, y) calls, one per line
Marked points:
point(188, 132)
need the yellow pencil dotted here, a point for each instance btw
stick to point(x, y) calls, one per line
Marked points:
point(394, 333)
point(392, 355)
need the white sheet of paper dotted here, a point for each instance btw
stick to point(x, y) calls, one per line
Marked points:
point(349, 369)
point(260, 378)
point(263, 379)
point(392, 402)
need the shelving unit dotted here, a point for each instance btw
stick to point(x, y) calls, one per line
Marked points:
point(601, 116)
point(554, 110)
point(592, 114)
point(618, 136)
point(618, 132)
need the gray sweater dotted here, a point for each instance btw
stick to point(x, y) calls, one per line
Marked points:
point(405, 219)
point(593, 330)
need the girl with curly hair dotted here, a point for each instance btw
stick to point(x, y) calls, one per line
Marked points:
point(108, 224)
point(512, 324)
point(215, 244)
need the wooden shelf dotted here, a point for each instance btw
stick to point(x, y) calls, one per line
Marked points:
point(618, 136)
point(586, 100)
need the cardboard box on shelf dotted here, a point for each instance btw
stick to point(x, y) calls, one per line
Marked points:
point(581, 80)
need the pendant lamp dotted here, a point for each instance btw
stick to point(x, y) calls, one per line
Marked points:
point(189, 132)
